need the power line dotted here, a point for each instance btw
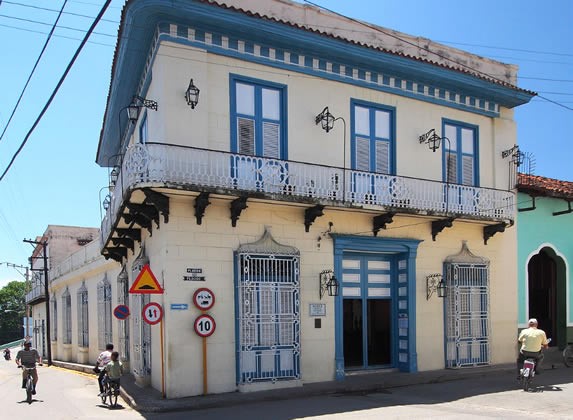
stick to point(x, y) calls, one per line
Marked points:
point(443, 57)
point(52, 96)
point(33, 70)
point(55, 10)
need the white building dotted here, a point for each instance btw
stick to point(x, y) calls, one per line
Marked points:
point(303, 157)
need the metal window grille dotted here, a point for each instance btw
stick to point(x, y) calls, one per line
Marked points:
point(141, 356)
point(123, 299)
point(67, 316)
point(104, 313)
point(268, 317)
point(54, 323)
point(83, 317)
point(467, 315)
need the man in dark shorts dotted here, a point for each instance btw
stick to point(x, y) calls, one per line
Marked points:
point(27, 357)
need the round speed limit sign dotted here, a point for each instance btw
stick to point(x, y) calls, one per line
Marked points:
point(204, 325)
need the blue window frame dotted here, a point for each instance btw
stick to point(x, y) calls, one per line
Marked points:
point(460, 153)
point(258, 117)
point(373, 137)
point(143, 130)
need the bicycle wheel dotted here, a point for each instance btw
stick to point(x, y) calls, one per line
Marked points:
point(113, 393)
point(105, 394)
point(29, 389)
point(568, 356)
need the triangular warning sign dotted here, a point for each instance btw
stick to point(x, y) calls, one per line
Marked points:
point(146, 282)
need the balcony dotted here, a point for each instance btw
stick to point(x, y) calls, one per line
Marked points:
point(156, 165)
point(36, 295)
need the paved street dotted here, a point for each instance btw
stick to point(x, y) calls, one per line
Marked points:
point(492, 397)
point(61, 394)
point(67, 394)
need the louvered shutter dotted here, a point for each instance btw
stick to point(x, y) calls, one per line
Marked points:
point(271, 140)
point(467, 170)
point(452, 175)
point(246, 130)
point(383, 157)
point(362, 154)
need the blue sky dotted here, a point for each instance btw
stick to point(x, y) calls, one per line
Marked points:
point(55, 181)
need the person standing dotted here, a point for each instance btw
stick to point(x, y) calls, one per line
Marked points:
point(531, 341)
point(28, 357)
point(102, 360)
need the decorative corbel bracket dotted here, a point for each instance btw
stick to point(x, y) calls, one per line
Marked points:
point(201, 203)
point(439, 225)
point(144, 210)
point(490, 230)
point(380, 222)
point(237, 206)
point(310, 215)
point(126, 242)
point(134, 234)
point(115, 253)
point(142, 221)
point(159, 201)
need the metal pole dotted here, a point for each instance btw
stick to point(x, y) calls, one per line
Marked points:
point(46, 292)
point(44, 244)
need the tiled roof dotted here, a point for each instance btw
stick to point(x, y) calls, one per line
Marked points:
point(426, 46)
point(541, 186)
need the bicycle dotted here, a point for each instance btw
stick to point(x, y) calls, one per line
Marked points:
point(568, 355)
point(29, 383)
point(110, 391)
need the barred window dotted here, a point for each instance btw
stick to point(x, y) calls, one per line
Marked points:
point(104, 313)
point(54, 320)
point(67, 316)
point(83, 317)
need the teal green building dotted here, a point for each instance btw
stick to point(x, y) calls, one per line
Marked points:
point(545, 255)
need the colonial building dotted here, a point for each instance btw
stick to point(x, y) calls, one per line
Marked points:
point(320, 181)
point(545, 255)
point(51, 257)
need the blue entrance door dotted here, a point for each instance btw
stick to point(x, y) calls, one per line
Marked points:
point(368, 310)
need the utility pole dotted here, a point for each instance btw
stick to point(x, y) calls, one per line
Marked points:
point(44, 244)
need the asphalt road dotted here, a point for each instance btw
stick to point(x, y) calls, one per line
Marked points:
point(65, 394)
point(61, 395)
point(494, 397)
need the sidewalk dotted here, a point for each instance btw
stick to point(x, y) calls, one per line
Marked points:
point(150, 400)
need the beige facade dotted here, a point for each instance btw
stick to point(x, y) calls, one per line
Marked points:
point(245, 194)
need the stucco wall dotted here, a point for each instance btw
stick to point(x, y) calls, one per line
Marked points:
point(207, 125)
point(538, 229)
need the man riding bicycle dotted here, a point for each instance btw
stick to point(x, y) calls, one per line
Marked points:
point(531, 341)
point(27, 358)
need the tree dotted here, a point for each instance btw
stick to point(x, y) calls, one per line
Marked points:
point(12, 311)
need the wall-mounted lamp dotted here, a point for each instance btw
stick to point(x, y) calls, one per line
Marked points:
point(326, 120)
point(106, 202)
point(435, 284)
point(192, 95)
point(432, 139)
point(328, 283)
point(136, 104)
point(114, 174)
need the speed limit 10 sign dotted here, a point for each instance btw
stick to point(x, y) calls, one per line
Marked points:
point(204, 325)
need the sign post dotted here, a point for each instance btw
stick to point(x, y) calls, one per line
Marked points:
point(204, 325)
point(152, 313)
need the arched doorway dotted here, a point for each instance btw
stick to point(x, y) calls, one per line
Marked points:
point(547, 291)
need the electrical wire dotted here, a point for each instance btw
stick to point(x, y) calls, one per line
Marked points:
point(442, 56)
point(52, 96)
point(33, 70)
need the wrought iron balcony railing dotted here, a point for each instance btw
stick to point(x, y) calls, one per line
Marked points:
point(36, 293)
point(171, 166)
